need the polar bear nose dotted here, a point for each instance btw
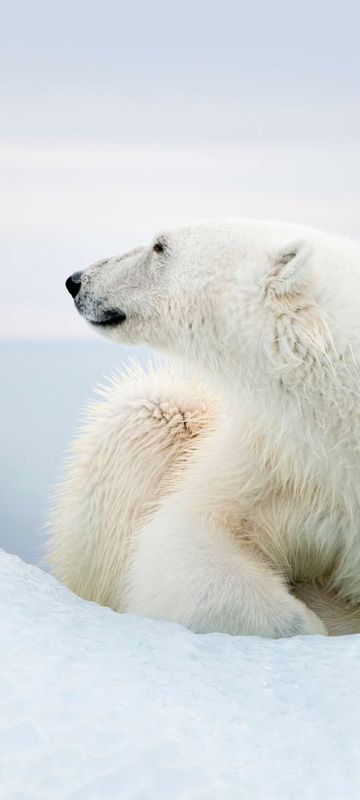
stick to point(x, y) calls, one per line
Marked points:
point(73, 283)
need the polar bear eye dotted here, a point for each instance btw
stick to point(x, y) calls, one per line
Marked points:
point(159, 246)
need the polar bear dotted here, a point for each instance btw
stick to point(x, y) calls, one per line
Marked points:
point(223, 491)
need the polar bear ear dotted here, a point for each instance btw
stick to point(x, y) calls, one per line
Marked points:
point(291, 270)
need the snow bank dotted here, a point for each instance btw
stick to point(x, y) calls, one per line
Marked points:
point(97, 706)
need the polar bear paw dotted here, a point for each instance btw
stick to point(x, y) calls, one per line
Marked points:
point(306, 623)
point(314, 624)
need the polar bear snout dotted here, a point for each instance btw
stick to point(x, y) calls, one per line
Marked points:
point(102, 318)
point(73, 283)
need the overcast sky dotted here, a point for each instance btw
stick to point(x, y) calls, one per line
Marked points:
point(118, 119)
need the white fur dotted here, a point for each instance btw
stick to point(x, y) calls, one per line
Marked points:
point(216, 507)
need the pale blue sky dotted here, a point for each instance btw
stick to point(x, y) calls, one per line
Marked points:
point(118, 119)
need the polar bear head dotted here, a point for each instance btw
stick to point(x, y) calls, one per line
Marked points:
point(236, 296)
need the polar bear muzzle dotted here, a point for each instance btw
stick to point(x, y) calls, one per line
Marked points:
point(109, 318)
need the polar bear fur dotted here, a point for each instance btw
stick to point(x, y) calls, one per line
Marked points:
point(229, 501)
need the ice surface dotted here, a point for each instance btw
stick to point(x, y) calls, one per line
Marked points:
point(95, 705)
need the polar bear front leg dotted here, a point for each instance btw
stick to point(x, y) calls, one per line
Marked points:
point(184, 570)
point(134, 443)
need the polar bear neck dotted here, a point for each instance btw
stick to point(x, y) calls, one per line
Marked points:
point(306, 420)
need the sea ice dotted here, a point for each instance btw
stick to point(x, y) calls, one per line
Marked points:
point(101, 706)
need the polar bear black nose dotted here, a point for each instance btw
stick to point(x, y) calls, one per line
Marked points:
point(73, 283)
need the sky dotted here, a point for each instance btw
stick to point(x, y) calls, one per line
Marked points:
point(119, 119)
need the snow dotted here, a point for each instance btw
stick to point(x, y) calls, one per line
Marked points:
point(96, 705)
